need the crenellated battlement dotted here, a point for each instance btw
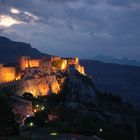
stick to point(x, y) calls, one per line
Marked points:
point(28, 65)
point(9, 83)
point(27, 62)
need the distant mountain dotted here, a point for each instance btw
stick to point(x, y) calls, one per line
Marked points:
point(11, 50)
point(111, 59)
point(123, 80)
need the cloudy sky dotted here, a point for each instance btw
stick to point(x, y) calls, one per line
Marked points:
point(83, 28)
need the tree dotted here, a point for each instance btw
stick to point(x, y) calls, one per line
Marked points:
point(27, 96)
point(8, 125)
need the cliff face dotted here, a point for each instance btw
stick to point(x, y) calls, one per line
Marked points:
point(78, 88)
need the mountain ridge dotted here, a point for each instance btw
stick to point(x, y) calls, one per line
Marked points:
point(11, 50)
point(122, 80)
point(119, 79)
point(121, 61)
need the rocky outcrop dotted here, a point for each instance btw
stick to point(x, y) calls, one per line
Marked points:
point(78, 88)
point(39, 86)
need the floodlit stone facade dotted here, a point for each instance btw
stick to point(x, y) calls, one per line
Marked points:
point(7, 74)
point(39, 76)
point(27, 62)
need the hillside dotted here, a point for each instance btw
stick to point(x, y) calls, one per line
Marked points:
point(11, 50)
point(119, 79)
point(123, 80)
point(62, 98)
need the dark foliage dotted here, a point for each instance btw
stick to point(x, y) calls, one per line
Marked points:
point(28, 96)
point(8, 125)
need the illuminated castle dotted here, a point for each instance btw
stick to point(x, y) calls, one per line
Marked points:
point(56, 63)
point(38, 76)
point(27, 62)
point(7, 74)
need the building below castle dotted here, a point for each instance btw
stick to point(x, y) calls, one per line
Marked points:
point(39, 76)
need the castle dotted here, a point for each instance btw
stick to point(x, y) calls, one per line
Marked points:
point(7, 73)
point(38, 76)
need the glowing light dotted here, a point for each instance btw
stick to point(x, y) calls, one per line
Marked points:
point(14, 11)
point(42, 108)
point(7, 74)
point(35, 110)
point(101, 130)
point(18, 77)
point(63, 66)
point(8, 21)
point(31, 124)
point(54, 134)
point(28, 116)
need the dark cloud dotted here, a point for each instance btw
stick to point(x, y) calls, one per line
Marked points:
point(122, 3)
point(77, 27)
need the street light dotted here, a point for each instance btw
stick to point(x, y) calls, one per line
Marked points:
point(54, 134)
point(42, 108)
point(100, 129)
point(31, 124)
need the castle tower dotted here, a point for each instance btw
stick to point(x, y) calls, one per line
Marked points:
point(7, 74)
point(77, 60)
point(64, 64)
point(34, 63)
point(24, 62)
point(46, 65)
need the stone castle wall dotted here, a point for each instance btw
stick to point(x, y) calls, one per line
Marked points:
point(32, 69)
point(27, 62)
point(7, 74)
point(34, 63)
point(80, 68)
point(39, 86)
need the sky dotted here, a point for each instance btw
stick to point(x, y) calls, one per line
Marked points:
point(69, 28)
